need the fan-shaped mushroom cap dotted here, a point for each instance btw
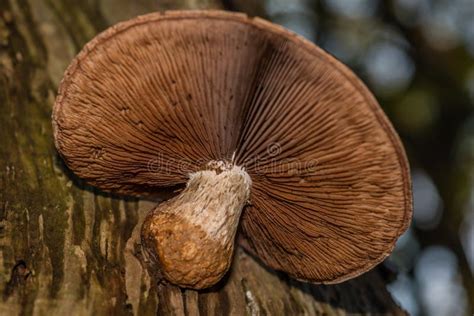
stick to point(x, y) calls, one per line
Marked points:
point(153, 99)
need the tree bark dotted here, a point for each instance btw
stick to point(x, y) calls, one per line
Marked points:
point(68, 249)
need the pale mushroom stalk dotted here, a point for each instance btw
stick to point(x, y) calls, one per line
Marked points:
point(191, 237)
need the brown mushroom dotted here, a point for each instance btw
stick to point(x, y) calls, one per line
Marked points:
point(254, 120)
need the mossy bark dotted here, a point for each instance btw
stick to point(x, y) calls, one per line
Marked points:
point(67, 249)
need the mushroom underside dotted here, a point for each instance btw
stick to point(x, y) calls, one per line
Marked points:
point(154, 100)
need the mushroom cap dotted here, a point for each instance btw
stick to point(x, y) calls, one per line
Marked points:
point(155, 98)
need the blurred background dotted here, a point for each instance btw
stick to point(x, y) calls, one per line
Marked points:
point(417, 56)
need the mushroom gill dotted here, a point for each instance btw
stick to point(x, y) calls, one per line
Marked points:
point(237, 109)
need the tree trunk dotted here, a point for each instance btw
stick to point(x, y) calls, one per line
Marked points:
point(67, 249)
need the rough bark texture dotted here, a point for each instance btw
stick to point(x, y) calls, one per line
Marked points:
point(66, 248)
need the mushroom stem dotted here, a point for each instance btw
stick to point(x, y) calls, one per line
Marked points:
point(191, 237)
